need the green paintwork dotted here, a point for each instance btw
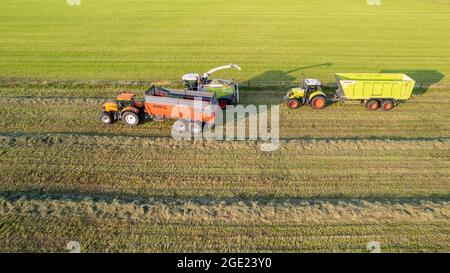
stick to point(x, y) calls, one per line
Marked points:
point(363, 86)
point(317, 93)
point(222, 92)
point(296, 93)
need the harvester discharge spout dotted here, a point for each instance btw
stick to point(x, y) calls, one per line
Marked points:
point(210, 72)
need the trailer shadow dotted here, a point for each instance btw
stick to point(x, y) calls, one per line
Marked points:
point(424, 78)
point(142, 199)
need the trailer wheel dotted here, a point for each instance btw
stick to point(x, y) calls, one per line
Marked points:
point(196, 128)
point(105, 118)
point(372, 105)
point(180, 126)
point(130, 118)
point(318, 102)
point(223, 103)
point(208, 125)
point(387, 105)
point(293, 104)
point(179, 129)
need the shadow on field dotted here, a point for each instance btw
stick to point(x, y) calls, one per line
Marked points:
point(423, 78)
point(282, 76)
point(125, 198)
point(273, 84)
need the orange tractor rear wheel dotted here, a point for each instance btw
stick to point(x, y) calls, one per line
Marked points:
point(130, 118)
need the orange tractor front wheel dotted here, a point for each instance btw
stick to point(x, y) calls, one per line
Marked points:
point(106, 118)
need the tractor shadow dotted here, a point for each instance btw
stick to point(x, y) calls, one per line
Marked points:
point(269, 87)
point(424, 78)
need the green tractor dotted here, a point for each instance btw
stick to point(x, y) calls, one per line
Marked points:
point(226, 91)
point(310, 92)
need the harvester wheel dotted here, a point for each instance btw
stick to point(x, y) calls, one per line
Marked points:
point(318, 102)
point(130, 118)
point(372, 105)
point(223, 104)
point(196, 128)
point(105, 118)
point(293, 104)
point(387, 105)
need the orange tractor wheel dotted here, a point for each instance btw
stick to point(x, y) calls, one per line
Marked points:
point(130, 118)
point(106, 118)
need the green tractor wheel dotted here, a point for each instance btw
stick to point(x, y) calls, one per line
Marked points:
point(318, 102)
point(223, 103)
point(293, 103)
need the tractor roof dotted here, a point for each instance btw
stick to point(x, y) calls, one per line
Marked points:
point(312, 82)
point(125, 96)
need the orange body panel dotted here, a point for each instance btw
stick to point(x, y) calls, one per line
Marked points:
point(110, 107)
point(180, 104)
point(130, 108)
point(178, 111)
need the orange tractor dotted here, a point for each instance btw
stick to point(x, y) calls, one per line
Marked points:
point(192, 109)
point(125, 108)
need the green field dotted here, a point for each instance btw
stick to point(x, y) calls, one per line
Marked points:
point(342, 177)
point(271, 40)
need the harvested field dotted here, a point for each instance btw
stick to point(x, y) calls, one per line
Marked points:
point(331, 185)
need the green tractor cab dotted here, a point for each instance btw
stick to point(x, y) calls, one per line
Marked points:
point(310, 92)
point(226, 91)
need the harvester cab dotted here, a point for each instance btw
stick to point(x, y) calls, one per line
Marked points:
point(226, 91)
point(125, 107)
point(310, 92)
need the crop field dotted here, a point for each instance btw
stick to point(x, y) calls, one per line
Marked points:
point(271, 40)
point(342, 177)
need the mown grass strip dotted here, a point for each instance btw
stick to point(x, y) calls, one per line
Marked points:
point(164, 167)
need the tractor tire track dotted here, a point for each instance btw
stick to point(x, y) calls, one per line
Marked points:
point(112, 139)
